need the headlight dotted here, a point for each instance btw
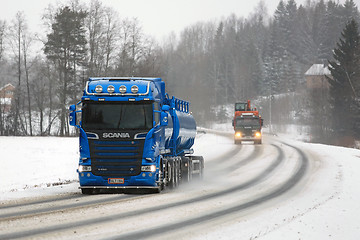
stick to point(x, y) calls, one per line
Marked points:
point(238, 134)
point(257, 134)
point(149, 168)
point(83, 168)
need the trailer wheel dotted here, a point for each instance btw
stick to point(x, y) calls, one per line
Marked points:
point(177, 171)
point(171, 172)
point(185, 169)
point(198, 166)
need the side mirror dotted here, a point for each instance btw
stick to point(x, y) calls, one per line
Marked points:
point(233, 122)
point(262, 122)
point(72, 117)
point(164, 119)
point(165, 108)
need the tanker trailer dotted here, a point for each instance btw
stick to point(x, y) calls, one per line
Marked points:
point(133, 136)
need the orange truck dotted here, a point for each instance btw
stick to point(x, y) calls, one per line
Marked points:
point(247, 123)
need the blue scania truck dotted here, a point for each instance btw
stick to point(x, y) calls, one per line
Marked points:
point(133, 136)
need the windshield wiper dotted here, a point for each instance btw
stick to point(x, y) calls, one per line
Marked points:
point(121, 112)
point(143, 108)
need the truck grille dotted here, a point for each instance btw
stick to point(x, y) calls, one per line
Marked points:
point(116, 158)
point(248, 133)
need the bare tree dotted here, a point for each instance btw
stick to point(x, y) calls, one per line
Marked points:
point(111, 36)
point(2, 43)
point(94, 25)
point(16, 34)
point(26, 42)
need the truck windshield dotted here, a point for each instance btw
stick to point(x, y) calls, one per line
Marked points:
point(240, 106)
point(242, 122)
point(115, 115)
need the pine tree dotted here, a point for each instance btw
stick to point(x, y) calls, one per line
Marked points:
point(344, 84)
point(66, 47)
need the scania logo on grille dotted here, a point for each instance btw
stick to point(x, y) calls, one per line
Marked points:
point(116, 135)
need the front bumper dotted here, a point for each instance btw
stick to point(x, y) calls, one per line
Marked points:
point(143, 180)
point(239, 136)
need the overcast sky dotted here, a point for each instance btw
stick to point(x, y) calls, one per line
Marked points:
point(157, 17)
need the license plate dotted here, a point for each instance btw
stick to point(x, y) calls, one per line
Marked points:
point(115, 180)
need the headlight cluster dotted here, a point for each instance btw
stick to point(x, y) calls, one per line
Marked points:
point(238, 134)
point(257, 134)
point(148, 168)
point(83, 168)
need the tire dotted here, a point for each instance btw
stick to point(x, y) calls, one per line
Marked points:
point(200, 167)
point(176, 173)
point(185, 170)
point(171, 170)
point(161, 177)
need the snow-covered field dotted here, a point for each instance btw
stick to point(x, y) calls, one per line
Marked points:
point(326, 208)
point(33, 166)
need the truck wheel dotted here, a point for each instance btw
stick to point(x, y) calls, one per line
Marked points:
point(161, 177)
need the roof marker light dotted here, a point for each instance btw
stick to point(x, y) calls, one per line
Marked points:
point(98, 89)
point(122, 89)
point(110, 89)
point(134, 89)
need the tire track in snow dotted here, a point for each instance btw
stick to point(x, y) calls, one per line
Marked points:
point(257, 179)
point(72, 206)
point(289, 184)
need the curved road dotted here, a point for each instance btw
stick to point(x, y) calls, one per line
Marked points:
point(240, 181)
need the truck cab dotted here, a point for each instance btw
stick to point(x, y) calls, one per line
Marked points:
point(247, 127)
point(130, 134)
point(247, 123)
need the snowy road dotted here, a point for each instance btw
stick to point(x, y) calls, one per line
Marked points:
point(267, 191)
